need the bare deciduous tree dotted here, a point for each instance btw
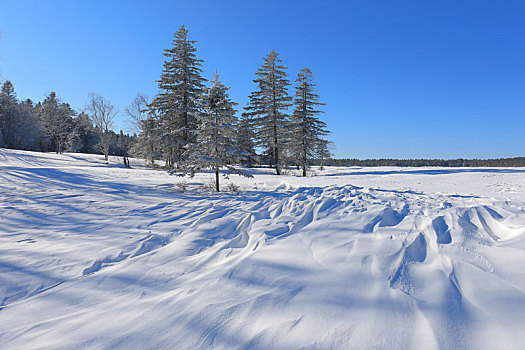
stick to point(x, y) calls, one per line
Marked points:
point(102, 113)
point(138, 111)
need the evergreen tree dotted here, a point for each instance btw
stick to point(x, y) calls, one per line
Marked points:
point(83, 137)
point(267, 108)
point(322, 152)
point(215, 147)
point(147, 145)
point(123, 145)
point(177, 105)
point(307, 129)
point(245, 141)
point(9, 115)
point(28, 136)
point(56, 120)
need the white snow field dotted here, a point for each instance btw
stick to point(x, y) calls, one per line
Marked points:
point(97, 256)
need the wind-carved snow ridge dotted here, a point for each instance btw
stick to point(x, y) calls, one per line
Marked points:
point(442, 230)
point(287, 263)
point(415, 253)
point(147, 244)
point(99, 264)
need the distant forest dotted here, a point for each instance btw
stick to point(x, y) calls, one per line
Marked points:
point(500, 162)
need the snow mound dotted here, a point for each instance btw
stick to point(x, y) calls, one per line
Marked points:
point(100, 256)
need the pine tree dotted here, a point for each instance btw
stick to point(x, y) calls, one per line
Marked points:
point(216, 134)
point(307, 129)
point(267, 108)
point(322, 152)
point(147, 145)
point(245, 141)
point(9, 114)
point(83, 136)
point(28, 135)
point(56, 120)
point(177, 105)
point(122, 147)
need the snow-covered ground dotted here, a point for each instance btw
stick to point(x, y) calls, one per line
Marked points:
point(99, 256)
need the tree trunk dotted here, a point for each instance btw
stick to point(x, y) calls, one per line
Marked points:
point(276, 160)
point(217, 180)
point(304, 162)
point(151, 153)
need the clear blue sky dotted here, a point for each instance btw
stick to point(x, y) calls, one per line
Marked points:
point(403, 79)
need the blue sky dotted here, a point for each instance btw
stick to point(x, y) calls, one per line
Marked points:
point(401, 79)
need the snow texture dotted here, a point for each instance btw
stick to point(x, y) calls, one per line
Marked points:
point(100, 256)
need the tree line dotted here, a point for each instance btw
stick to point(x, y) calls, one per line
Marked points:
point(53, 126)
point(499, 162)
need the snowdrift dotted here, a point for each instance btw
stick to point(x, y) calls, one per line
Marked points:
point(98, 256)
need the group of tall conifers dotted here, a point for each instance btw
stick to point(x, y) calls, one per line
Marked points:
point(190, 125)
point(193, 126)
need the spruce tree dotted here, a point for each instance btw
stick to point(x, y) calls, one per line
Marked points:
point(177, 105)
point(148, 141)
point(267, 108)
point(56, 120)
point(123, 147)
point(245, 141)
point(306, 130)
point(9, 113)
point(28, 135)
point(322, 152)
point(83, 136)
point(216, 133)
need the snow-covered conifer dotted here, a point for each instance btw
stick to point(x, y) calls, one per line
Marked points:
point(28, 135)
point(9, 113)
point(83, 136)
point(56, 120)
point(148, 142)
point(245, 140)
point(267, 107)
point(306, 129)
point(177, 105)
point(216, 134)
point(322, 152)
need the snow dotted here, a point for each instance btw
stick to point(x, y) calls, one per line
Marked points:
point(94, 255)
